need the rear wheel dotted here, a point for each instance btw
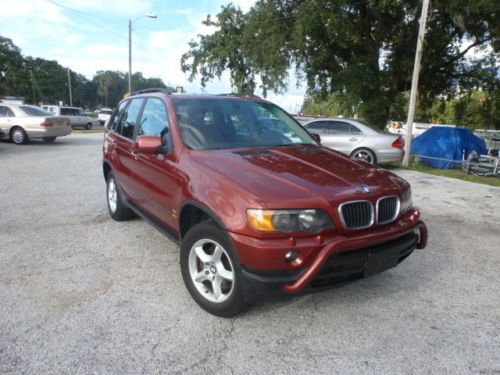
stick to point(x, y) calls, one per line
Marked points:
point(49, 139)
point(117, 208)
point(19, 136)
point(88, 126)
point(365, 154)
point(211, 270)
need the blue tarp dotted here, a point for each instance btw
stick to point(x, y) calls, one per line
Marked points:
point(446, 143)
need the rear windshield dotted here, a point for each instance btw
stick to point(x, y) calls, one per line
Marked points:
point(232, 123)
point(34, 111)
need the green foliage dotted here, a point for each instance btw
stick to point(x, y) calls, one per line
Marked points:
point(44, 81)
point(361, 51)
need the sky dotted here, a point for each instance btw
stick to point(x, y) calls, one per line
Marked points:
point(92, 35)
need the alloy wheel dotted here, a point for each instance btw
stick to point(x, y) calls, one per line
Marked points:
point(211, 270)
point(112, 195)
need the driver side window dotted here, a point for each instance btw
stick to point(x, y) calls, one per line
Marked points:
point(154, 118)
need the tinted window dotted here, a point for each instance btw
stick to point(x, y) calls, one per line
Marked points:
point(115, 121)
point(154, 118)
point(129, 118)
point(6, 112)
point(69, 112)
point(338, 127)
point(317, 125)
point(355, 130)
point(34, 111)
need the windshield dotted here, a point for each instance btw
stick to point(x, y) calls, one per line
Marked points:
point(372, 127)
point(34, 111)
point(231, 123)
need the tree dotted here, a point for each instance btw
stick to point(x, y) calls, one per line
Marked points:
point(360, 50)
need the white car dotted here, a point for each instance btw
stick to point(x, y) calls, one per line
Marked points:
point(358, 139)
point(104, 115)
point(20, 123)
point(77, 117)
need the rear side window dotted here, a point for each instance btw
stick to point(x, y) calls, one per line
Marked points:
point(338, 127)
point(6, 112)
point(128, 120)
point(115, 121)
point(154, 118)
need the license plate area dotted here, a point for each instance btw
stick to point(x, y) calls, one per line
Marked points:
point(376, 263)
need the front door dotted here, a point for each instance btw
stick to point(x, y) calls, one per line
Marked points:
point(156, 173)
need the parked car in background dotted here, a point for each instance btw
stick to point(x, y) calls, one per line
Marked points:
point(20, 123)
point(104, 114)
point(358, 139)
point(258, 208)
point(76, 116)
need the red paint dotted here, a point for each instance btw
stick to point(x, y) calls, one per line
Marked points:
point(227, 184)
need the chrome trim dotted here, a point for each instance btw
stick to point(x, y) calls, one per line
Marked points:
point(396, 214)
point(341, 215)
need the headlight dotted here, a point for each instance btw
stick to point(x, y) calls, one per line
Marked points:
point(288, 221)
point(406, 202)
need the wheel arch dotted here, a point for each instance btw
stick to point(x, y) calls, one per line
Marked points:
point(106, 169)
point(194, 212)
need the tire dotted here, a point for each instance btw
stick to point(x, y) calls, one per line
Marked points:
point(49, 139)
point(19, 136)
point(88, 126)
point(211, 240)
point(116, 207)
point(365, 154)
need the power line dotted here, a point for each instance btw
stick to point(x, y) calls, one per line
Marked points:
point(86, 16)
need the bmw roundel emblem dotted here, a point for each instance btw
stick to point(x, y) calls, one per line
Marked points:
point(366, 189)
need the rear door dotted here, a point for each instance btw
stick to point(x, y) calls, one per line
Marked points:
point(124, 146)
point(156, 173)
point(337, 136)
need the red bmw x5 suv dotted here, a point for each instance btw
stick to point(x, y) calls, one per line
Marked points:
point(258, 207)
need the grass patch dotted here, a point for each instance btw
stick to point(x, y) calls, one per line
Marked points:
point(459, 174)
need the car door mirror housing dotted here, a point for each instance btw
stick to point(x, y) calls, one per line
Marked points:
point(316, 137)
point(149, 144)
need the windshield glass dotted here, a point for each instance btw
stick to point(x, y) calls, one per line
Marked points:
point(372, 127)
point(231, 123)
point(34, 111)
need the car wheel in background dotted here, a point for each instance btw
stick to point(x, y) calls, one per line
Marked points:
point(117, 208)
point(49, 139)
point(211, 270)
point(18, 136)
point(88, 126)
point(365, 154)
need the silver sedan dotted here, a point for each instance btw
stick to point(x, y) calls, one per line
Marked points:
point(20, 123)
point(358, 139)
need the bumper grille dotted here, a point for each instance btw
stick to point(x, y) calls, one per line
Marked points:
point(387, 209)
point(357, 215)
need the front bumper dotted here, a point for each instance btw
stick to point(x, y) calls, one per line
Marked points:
point(341, 259)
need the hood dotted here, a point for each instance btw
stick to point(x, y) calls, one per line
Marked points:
point(294, 176)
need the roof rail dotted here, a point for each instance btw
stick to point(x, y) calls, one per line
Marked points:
point(240, 95)
point(151, 90)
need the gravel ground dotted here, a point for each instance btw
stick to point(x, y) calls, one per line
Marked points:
point(82, 294)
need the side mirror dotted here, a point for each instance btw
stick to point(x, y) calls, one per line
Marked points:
point(148, 144)
point(316, 137)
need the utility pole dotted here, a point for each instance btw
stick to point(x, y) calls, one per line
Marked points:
point(130, 56)
point(414, 83)
point(69, 86)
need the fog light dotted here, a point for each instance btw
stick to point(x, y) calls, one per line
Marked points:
point(291, 256)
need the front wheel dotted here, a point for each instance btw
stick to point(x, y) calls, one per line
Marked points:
point(365, 155)
point(211, 271)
